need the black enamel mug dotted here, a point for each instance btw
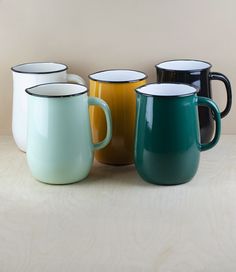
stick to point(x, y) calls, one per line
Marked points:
point(198, 74)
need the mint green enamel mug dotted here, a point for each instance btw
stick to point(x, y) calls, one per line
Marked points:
point(59, 141)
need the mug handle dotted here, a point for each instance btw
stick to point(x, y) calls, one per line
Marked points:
point(76, 79)
point(207, 102)
point(101, 103)
point(225, 80)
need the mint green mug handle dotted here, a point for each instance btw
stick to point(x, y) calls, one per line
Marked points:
point(76, 79)
point(99, 102)
point(207, 102)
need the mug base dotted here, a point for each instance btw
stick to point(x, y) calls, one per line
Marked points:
point(115, 163)
point(167, 183)
point(20, 146)
point(59, 183)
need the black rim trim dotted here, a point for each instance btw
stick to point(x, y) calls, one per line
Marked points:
point(183, 71)
point(125, 81)
point(166, 96)
point(39, 73)
point(56, 96)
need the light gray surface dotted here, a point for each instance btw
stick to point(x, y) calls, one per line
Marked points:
point(113, 221)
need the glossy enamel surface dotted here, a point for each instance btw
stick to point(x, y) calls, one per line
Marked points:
point(198, 74)
point(167, 141)
point(26, 76)
point(60, 148)
point(122, 102)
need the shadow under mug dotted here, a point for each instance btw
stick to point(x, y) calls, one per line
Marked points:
point(28, 75)
point(59, 147)
point(167, 138)
point(197, 73)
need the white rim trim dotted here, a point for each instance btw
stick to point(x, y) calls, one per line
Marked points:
point(184, 65)
point(57, 89)
point(166, 89)
point(118, 75)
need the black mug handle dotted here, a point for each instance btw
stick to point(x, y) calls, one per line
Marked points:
point(225, 80)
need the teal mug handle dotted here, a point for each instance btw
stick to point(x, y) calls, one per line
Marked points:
point(207, 102)
point(99, 102)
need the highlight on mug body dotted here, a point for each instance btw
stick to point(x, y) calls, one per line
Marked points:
point(28, 75)
point(60, 148)
point(167, 142)
point(117, 88)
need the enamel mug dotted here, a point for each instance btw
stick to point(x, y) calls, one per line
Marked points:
point(28, 75)
point(197, 73)
point(116, 87)
point(59, 147)
point(167, 140)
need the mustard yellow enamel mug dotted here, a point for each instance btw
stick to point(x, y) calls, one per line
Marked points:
point(117, 88)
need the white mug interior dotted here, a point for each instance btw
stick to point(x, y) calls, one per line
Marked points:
point(39, 68)
point(118, 75)
point(57, 90)
point(184, 65)
point(166, 89)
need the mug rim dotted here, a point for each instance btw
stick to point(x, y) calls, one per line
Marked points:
point(117, 82)
point(186, 70)
point(56, 96)
point(168, 96)
point(14, 68)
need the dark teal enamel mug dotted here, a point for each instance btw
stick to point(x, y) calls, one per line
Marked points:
point(167, 138)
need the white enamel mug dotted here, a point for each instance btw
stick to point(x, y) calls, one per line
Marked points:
point(28, 75)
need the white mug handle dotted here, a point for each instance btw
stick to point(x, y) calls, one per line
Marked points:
point(76, 79)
